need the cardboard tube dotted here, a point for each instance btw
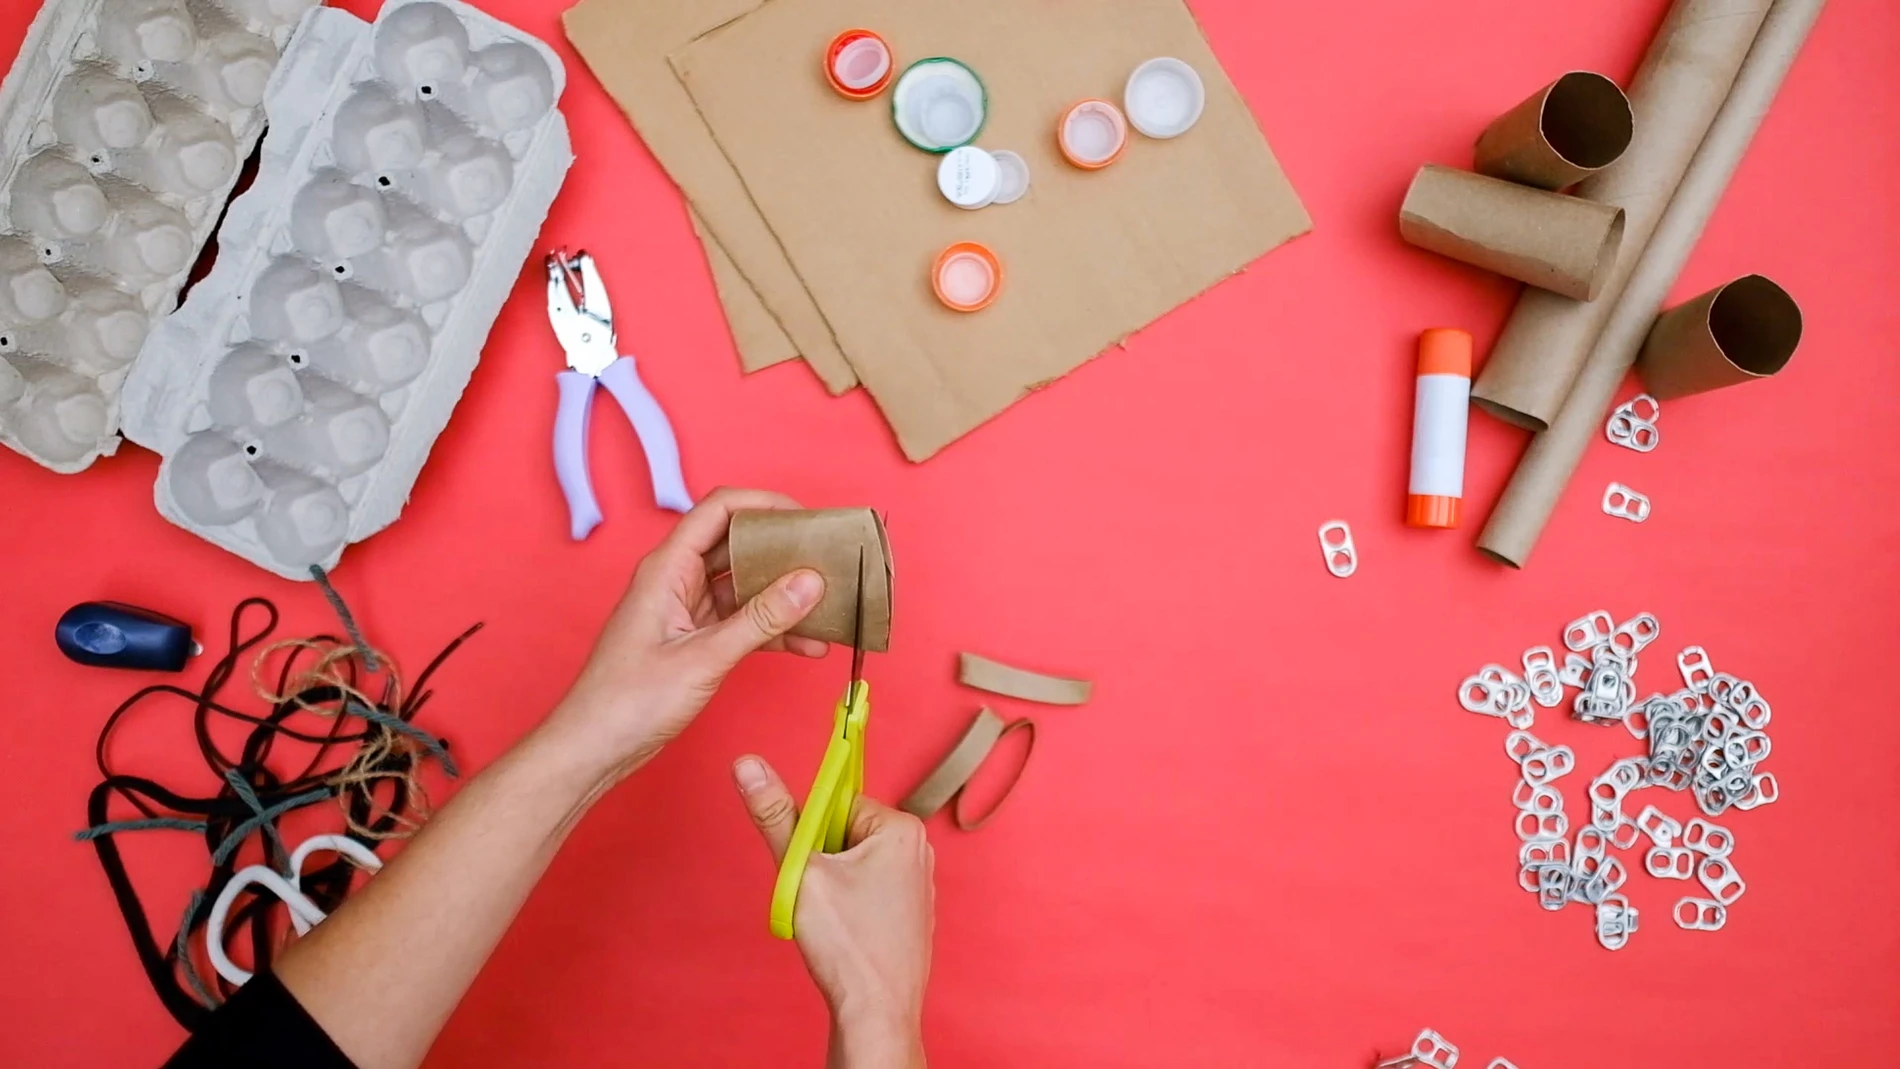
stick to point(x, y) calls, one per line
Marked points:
point(1543, 239)
point(1682, 82)
point(768, 544)
point(1563, 134)
point(1746, 330)
point(1541, 476)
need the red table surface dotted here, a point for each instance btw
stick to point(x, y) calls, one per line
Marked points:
point(1273, 838)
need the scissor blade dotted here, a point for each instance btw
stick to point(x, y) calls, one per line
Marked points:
point(857, 632)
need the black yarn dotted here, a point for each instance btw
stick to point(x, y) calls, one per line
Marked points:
point(224, 811)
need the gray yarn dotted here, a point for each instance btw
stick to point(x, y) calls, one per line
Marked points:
point(403, 727)
point(343, 613)
point(274, 843)
point(238, 834)
point(100, 831)
point(182, 949)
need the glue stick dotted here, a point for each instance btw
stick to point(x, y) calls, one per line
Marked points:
point(1438, 429)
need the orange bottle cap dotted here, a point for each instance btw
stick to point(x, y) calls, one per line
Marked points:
point(1444, 351)
point(967, 277)
point(859, 64)
point(1092, 134)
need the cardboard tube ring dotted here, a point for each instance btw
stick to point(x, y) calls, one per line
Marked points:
point(1560, 135)
point(769, 544)
point(1548, 240)
point(984, 674)
point(1746, 330)
point(956, 805)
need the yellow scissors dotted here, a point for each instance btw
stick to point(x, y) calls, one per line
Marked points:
point(827, 814)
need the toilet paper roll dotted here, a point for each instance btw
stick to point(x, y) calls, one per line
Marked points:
point(1548, 240)
point(769, 544)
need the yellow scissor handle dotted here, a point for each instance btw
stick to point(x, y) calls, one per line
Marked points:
point(826, 818)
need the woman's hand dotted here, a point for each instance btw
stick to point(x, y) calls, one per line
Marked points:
point(675, 636)
point(864, 920)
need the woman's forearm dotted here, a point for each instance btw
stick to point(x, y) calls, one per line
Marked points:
point(383, 974)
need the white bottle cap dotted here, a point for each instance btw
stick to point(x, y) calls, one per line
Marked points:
point(1164, 98)
point(969, 177)
point(1013, 177)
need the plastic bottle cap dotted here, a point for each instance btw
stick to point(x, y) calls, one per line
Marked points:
point(1013, 177)
point(858, 64)
point(939, 104)
point(1444, 351)
point(1164, 98)
point(1092, 134)
point(967, 277)
point(969, 177)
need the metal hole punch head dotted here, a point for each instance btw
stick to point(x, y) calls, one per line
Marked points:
point(826, 819)
point(583, 321)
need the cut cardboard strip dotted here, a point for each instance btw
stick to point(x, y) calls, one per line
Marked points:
point(626, 44)
point(1547, 466)
point(769, 544)
point(1093, 257)
point(987, 675)
point(956, 768)
point(1746, 330)
point(945, 784)
point(1563, 134)
point(1562, 244)
point(1683, 80)
point(761, 342)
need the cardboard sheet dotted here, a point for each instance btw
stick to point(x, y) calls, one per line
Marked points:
point(625, 43)
point(1089, 258)
point(761, 342)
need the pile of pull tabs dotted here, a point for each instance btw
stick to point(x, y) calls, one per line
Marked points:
point(336, 749)
point(298, 389)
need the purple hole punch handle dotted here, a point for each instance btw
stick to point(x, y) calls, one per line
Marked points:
point(570, 451)
point(655, 431)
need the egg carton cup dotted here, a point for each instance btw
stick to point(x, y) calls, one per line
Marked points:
point(297, 391)
point(123, 127)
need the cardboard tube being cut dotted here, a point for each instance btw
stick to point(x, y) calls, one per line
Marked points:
point(1683, 80)
point(768, 544)
point(1543, 239)
point(1746, 330)
point(1563, 134)
point(1520, 516)
point(987, 675)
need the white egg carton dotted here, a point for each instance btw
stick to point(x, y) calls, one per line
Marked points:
point(296, 393)
point(123, 126)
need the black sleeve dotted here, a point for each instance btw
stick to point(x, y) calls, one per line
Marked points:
point(262, 1025)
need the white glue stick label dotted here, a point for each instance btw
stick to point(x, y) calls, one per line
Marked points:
point(1438, 435)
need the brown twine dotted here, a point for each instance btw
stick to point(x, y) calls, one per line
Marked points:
point(383, 755)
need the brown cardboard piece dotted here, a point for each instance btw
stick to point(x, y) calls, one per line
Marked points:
point(769, 544)
point(1563, 134)
point(984, 674)
point(625, 43)
point(1516, 523)
point(1090, 257)
point(1683, 80)
point(956, 768)
point(1740, 332)
point(1563, 244)
point(761, 342)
